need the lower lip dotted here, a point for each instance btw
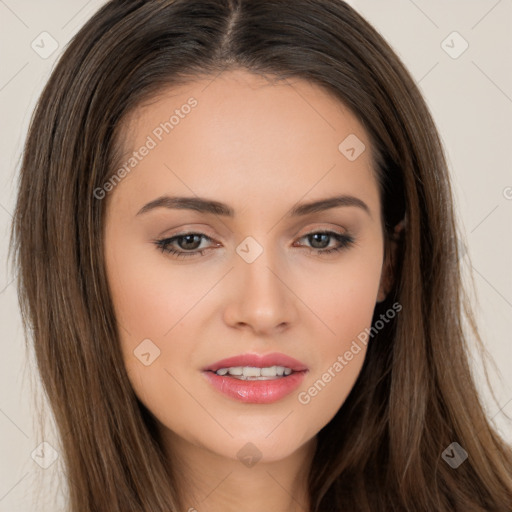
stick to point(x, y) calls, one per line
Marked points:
point(256, 391)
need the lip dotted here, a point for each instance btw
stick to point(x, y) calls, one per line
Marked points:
point(257, 391)
point(260, 361)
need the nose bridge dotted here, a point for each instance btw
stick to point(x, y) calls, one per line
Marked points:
point(259, 276)
point(262, 300)
point(258, 271)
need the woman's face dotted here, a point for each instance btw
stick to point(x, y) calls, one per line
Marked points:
point(253, 277)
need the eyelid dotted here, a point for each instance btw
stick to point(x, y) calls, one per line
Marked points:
point(188, 229)
point(205, 232)
point(323, 227)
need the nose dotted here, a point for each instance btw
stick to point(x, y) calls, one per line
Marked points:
point(262, 299)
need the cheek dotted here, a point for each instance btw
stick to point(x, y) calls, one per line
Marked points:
point(154, 306)
point(343, 298)
point(343, 294)
point(149, 295)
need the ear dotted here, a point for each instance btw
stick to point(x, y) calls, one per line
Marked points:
point(387, 278)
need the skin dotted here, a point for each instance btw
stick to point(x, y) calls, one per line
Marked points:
point(260, 148)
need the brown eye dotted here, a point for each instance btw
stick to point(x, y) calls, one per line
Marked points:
point(191, 242)
point(319, 241)
point(183, 245)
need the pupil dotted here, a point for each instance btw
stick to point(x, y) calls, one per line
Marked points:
point(315, 239)
point(189, 240)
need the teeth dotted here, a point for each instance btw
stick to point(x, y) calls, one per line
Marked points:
point(255, 373)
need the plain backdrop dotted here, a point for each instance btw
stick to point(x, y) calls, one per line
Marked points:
point(458, 52)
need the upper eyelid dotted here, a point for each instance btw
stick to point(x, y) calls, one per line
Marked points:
point(339, 231)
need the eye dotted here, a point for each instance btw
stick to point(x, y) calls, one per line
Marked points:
point(186, 245)
point(319, 241)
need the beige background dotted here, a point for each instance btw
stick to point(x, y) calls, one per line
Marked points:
point(470, 97)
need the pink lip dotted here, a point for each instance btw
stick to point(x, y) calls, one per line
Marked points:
point(274, 359)
point(257, 391)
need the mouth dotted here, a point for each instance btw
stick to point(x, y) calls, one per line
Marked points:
point(259, 361)
point(254, 372)
point(253, 378)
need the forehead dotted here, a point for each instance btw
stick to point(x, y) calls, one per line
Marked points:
point(242, 131)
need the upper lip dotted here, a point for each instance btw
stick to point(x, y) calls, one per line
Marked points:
point(259, 361)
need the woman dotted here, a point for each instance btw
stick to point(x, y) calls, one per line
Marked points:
point(237, 252)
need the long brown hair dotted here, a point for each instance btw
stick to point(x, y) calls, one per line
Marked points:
point(415, 394)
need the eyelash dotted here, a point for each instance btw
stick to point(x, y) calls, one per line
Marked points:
point(164, 244)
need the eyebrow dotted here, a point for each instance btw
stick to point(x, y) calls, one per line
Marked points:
point(203, 205)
